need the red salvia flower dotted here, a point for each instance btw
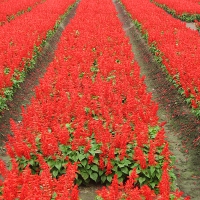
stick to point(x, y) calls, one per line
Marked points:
point(140, 157)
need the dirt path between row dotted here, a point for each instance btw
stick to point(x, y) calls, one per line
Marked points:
point(182, 127)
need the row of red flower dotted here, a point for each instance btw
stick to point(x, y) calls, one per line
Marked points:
point(182, 7)
point(174, 44)
point(188, 11)
point(92, 109)
point(20, 37)
point(194, 1)
point(9, 9)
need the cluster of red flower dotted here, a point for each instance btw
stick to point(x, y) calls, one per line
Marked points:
point(19, 37)
point(185, 6)
point(9, 9)
point(26, 185)
point(92, 91)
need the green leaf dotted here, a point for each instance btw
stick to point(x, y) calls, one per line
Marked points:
point(138, 170)
point(103, 178)
point(62, 148)
point(172, 175)
point(55, 173)
point(7, 70)
point(89, 172)
point(84, 162)
point(87, 109)
point(100, 172)
point(32, 162)
point(58, 164)
point(109, 178)
point(81, 157)
point(85, 175)
point(63, 171)
point(158, 175)
point(92, 152)
point(125, 170)
point(127, 162)
point(120, 179)
point(74, 158)
point(115, 168)
point(152, 170)
point(96, 160)
point(95, 168)
point(96, 117)
point(88, 166)
point(94, 176)
point(68, 125)
point(141, 180)
point(135, 165)
point(146, 173)
point(121, 165)
point(119, 174)
point(79, 181)
point(87, 180)
point(152, 184)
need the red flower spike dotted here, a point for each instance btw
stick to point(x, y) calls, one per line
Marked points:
point(109, 167)
point(140, 157)
point(151, 154)
point(131, 180)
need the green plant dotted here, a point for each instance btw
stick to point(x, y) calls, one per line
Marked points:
point(89, 167)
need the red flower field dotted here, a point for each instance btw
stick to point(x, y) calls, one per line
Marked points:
point(91, 120)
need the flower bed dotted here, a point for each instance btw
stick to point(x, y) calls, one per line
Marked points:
point(10, 11)
point(91, 111)
point(20, 48)
point(186, 10)
point(177, 54)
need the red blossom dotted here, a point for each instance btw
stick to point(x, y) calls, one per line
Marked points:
point(140, 157)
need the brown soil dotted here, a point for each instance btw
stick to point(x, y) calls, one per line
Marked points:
point(182, 127)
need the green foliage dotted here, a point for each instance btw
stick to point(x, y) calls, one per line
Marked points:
point(156, 52)
point(94, 69)
point(137, 25)
point(153, 131)
point(29, 9)
point(98, 198)
point(145, 36)
point(90, 171)
point(196, 112)
point(3, 104)
point(6, 70)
